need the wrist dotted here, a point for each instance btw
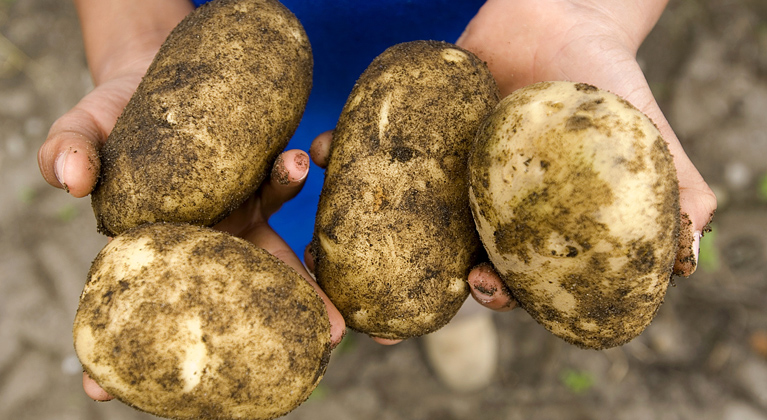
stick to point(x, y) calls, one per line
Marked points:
point(123, 34)
point(527, 41)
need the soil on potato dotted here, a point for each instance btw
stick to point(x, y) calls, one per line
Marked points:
point(704, 357)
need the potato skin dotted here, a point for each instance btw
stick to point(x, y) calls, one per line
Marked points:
point(221, 99)
point(394, 239)
point(186, 322)
point(576, 199)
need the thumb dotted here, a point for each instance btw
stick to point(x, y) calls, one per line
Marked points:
point(696, 200)
point(698, 204)
point(69, 157)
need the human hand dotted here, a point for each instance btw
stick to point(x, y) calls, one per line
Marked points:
point(118, 58)
point(591, 41)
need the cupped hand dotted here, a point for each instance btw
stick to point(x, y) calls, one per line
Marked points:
point(595, 42)
point(69, 157)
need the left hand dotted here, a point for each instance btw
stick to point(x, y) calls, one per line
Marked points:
point(594, 42)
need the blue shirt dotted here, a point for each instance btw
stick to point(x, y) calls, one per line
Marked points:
point(346, 36)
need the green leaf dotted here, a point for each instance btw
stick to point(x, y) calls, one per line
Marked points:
point(762, 192)
point(708, 258)
point(577, 381)
point(27, 195)
point(347, 344)
point(319, 393)
point(67, 213)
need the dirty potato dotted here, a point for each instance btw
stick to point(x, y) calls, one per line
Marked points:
point(575, 197)
point(394, 239)
point(188, 323)
point(222, 98)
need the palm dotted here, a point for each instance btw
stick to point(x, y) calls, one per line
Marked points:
point(86, 128)
point(590, 41)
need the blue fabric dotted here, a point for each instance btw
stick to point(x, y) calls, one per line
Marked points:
point(346, 36)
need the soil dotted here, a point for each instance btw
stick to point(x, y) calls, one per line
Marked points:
point(704, 356)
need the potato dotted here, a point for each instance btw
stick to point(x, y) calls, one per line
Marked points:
point(394, 239)
point(219, 102)
point(576, 199)
point(188, 323)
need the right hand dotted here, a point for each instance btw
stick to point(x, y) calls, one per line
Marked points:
point(121, 39)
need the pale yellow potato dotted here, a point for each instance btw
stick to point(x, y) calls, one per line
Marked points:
point(222, 98)
point(576, 199)
point(394, 240)
point(186, 322)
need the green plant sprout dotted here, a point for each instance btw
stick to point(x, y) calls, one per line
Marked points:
point(762, 187)
point(67, 213)
point(577, 381)
point(708, 258)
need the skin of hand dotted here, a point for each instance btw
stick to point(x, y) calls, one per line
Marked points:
point(121, 38)
point(591, 41)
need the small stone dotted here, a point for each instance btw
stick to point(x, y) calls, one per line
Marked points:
point(70, 365)
point(738, 175)
point(464, 353)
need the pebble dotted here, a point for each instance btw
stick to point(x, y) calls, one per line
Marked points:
point(70, 365)
point(738, 175)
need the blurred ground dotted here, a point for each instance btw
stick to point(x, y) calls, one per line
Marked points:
point(704, 357)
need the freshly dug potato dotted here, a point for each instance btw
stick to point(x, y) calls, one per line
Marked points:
point(190, 323)
point(222, 98)
point(575, 197)
point(394, 239)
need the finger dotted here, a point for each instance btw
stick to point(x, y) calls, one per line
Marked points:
point(288, 176)
point(696, 200)
point(698, 206)
point(93, 390)
point(286, 181)
point(386, 341)
point(262, 235)
point(489, 290)
point(320, 149)
point(69, 157)
point(309, 259)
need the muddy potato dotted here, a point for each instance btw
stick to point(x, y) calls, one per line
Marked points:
point(186, 322)
point(575, 197)
point(223, 96)
point(394, 240)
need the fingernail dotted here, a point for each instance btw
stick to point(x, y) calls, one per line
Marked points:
point(696, 246)
point(301, 160)
point(58, 169)
point(483, 295)
point(280, 172)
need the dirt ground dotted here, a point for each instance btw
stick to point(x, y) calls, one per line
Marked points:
point(704, 357)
